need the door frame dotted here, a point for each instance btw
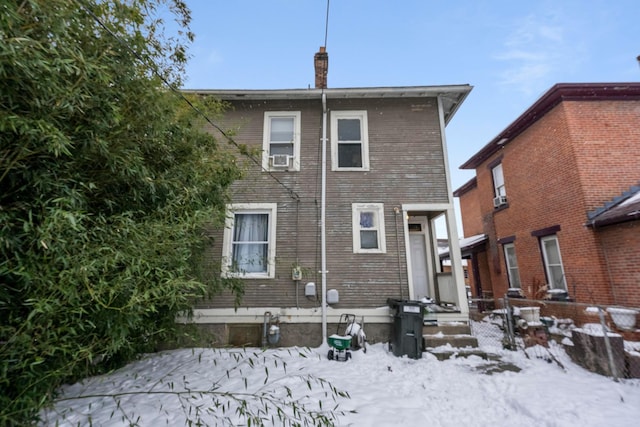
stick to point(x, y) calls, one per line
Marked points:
point(431, 211)
point(426, 233)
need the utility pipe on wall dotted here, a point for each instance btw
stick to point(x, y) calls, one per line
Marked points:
point(323, 231)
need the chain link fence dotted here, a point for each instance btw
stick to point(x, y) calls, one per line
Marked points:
point(602, 339)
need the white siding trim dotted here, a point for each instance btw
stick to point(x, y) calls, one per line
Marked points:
point(285, 314)
point(292, 315)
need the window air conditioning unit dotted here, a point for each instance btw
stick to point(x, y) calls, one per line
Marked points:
point(499, 201)
point(280, 160)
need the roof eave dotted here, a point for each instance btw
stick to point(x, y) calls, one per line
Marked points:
point(599, 223)
point(466, 187)
point(452, 96)
point(558, 93)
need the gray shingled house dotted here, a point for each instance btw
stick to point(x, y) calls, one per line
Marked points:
point(338, 215)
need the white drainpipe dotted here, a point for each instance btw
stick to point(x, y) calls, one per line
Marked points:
point(323, 232)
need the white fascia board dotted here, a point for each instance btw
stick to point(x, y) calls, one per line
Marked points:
point(354, 92)
point(285, 315)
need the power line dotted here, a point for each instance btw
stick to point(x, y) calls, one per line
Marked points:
point(326, 26)
point(155, 71)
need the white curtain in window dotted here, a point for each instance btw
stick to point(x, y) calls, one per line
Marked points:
point(250, 243)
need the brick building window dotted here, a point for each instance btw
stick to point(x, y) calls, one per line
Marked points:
point(499, 189)
point(512, 265)
point(498, 181)
point(553, 262)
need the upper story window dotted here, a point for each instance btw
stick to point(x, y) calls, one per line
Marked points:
point(368, 228)
point(249, 245)
point(498, 180)
point(349, 141)
point(512, 265)
point(499, 190)
point(281, 141)
point(553, 262)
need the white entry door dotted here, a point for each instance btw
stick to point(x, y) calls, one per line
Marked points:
point(419, 265)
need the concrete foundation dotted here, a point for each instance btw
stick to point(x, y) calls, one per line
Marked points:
point(291, 334)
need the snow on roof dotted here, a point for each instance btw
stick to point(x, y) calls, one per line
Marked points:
point(620, 209)
point(470, 241)
point(633, 199)
point(465, 243)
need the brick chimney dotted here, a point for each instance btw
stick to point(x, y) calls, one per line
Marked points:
point(321, 64)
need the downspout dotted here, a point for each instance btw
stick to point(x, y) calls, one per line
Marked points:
point(396, 211)
point(323, 234)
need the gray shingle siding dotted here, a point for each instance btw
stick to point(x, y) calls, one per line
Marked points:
point(407, 165)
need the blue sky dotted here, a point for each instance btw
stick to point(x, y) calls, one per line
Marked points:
point(511, 52)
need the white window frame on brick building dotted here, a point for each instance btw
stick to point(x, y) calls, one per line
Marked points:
point(511, 260)
point(553, 262)
point(345, 141)
point(499, 188)
point(368, 228)
point(281, 137)
point(249, 241)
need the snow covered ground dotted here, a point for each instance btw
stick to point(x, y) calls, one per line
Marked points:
point(180, 387)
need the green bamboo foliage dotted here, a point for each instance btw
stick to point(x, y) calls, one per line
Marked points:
point(106, 184)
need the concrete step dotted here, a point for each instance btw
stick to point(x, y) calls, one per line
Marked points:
point(456, 341)
point(447, 353)
point(447, 329)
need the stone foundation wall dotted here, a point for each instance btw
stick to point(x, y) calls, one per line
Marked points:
point(251, 334)
point(590, 352)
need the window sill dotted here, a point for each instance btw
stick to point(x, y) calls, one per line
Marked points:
point(280, 170)
point(230, 275)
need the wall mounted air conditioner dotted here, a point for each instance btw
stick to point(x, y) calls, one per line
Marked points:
point(499, 201)
point(280, 160)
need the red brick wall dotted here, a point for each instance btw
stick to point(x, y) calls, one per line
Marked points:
point(606, 141)
point(471, 213)
point(578, 156)
point(621, 245)
point(542, 177)
point(485, 276)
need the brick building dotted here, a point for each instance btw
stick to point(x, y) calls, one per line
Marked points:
point(553, 209)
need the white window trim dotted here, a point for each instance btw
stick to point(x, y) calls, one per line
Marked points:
point(547, 268)
point(364, 132)
point(499, 190)
point(266, 142)
point(356, 208)
point(227, 240)
point(511, 268)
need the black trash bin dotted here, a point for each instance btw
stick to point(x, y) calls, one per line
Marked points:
point(406, 331)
